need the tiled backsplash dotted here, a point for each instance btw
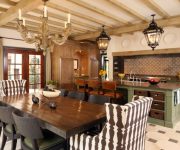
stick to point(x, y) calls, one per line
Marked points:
point(153, 65)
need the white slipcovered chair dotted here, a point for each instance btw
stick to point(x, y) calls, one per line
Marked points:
point(12, 87)
point(124, 130)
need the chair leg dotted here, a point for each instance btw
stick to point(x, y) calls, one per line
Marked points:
point(4, 139)
point(13, 146)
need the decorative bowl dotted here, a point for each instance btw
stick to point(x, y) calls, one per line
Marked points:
point(51, 94)
point(154, 80)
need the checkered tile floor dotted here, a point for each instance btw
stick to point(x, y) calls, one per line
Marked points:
point(157, 138)
point(162, 138)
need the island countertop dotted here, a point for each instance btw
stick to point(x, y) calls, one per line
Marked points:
point(160, 86)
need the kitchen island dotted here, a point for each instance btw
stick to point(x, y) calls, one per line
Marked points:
point(165, 109)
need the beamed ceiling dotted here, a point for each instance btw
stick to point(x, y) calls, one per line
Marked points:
point(87, 16)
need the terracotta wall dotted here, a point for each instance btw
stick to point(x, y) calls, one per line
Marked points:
point(84, 52)
point(153, 65)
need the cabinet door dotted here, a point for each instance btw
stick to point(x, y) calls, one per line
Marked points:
point(66, 70)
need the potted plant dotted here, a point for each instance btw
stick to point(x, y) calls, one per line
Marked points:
point(52, 84)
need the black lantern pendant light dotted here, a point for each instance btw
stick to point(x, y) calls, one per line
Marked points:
point(103, 40)
point(153, 34)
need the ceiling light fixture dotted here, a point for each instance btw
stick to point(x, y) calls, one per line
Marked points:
point(153, 34)
point(43, 39)
point(103, 40)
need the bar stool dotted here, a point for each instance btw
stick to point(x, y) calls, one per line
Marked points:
point(33, 137)
point(99, 99)
point(64, 92)
point(94, 87)
point(76, 95)
point(109, 89)
point(80, 85)
point(8, 127)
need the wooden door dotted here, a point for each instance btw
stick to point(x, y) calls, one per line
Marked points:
point(94, 68)
point(66, 71)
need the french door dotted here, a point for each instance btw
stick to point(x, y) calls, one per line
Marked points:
point(24, 64)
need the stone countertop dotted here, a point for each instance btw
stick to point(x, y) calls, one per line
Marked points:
point(146, 85)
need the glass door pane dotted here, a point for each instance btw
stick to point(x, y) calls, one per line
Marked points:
point(14, 66)
point(34, 73)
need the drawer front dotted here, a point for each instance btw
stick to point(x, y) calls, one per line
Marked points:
point(157, 114)
point(141, 93)
point(157, 95)
point(158, 105)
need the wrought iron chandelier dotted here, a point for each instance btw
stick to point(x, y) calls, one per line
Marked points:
point(103, 40)
point(153, 34)
point(43, 39)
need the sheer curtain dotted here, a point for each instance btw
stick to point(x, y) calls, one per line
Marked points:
point(48, 66)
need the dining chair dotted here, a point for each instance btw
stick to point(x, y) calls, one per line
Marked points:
point(33, 137)
point(99, 99)
point(9, 131)
point(64, 92)
point(94, 87)
point(109, 88)
point(76, 95)
point(125, 128)
point(80, 85)
point(14, 87)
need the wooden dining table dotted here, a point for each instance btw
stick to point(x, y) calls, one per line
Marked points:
point(69, 118)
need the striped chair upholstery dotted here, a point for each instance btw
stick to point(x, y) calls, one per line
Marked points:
point(124, 130)
point(13, 87)
point(1, 89)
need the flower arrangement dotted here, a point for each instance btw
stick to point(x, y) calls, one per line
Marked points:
point(102, 72)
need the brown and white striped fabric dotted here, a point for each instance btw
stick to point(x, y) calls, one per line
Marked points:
point(124, 130)
point(13, 87)
point(1, 89)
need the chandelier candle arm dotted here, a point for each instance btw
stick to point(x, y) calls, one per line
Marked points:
point(24, 22)
point(20, 14)
point(69, 18)
point(45, 11)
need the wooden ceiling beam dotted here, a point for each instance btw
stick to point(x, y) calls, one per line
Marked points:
point(99, 11)
point(155, 7)
point(13, 25)
point(53, 15)
point(2, 9)
point(173, 21)
point(12, 12)
point(128, 10)
point(52, 22)
point(8, 2)
point(77, 14)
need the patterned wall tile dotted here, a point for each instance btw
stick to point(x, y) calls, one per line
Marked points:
point(153, 65)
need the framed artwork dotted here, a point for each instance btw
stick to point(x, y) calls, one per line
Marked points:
point(75, 64)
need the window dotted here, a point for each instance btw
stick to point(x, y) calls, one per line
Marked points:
point(24, 64)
